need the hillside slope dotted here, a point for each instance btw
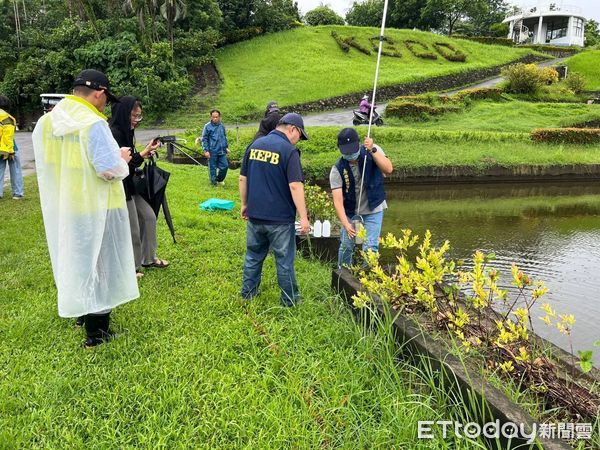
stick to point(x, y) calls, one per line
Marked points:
point(587, 63)
point(307, 64)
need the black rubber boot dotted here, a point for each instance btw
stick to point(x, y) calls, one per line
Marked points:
point(96, 327)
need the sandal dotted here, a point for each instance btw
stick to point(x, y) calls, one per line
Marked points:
point(139, 275)
point(158, 263)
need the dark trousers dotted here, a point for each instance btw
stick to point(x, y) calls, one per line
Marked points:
point(96, 325)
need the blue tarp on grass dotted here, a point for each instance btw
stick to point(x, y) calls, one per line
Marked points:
point(216, 204)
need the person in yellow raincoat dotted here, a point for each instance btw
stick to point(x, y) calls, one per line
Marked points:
point(79, 169)
point(9, 152)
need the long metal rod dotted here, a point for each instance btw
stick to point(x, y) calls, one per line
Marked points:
point(381, 34)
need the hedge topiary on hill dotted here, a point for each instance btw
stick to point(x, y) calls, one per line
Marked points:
point(419, 49)
point(449, 52)
point(585, 136)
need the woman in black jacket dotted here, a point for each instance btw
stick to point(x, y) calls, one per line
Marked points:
point(270, 121)
point(126, 115)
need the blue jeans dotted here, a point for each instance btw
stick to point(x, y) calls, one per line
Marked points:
point(372, 223)
point(217, 167)
point(16, 176)
point(282, 240)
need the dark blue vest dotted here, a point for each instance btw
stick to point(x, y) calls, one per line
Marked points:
point(372, 184)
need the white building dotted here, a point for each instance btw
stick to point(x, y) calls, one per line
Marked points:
point(547, 23)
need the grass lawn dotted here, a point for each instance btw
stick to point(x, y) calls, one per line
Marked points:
point(587, 63)
point(194, 367)
point(306, 64)
point(509, 116)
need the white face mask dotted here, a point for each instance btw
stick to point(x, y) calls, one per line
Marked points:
point(352, 157)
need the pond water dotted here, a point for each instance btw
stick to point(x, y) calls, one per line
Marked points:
point(551, 231)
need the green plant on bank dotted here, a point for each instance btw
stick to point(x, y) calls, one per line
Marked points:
point(318, 204)
point(475, 310)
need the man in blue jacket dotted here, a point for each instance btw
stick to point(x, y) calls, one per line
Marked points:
point(272, 190)
point(216, 148)
point(345, 181)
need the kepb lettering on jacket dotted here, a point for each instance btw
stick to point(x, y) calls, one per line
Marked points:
point(264, 156)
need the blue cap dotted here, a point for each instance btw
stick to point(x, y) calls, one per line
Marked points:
point(348, 141)
point(296, 120)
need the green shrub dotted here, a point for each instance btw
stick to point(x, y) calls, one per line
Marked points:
point(403, 109)
point(419, 49)
point(323, 15)
point(242, 34)
point(480, 94)
point(584, 136)
point(346, 42)
point(575, 82)
point(549, 75)
point(523, 78)
point(449, 52)
point(352, 42)
point(342, 44)
point(552, 48)
point(388, 48)
point(488, 40)
point(318, 204)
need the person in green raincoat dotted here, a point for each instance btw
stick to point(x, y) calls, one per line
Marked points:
point(79, 169)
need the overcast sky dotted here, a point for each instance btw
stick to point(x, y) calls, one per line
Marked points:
point(590, 8)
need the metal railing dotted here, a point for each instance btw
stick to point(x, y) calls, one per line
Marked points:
point(535, 10)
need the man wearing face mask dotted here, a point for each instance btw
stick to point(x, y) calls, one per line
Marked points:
point(345, 182)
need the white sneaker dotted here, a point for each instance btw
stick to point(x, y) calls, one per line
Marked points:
point(17, 197)
point(221, 183)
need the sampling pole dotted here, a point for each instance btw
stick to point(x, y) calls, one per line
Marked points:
point(362, 178)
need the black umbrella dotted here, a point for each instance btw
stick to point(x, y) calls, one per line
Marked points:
point(151, 184)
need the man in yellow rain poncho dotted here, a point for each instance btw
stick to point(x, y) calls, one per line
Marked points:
point(79, 168)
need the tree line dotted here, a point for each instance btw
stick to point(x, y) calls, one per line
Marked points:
point(154, 48)
point(148, 48)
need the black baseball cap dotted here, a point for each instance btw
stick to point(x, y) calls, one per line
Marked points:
point(272, 106)
point(348, 141)
point(94, 79)
point(296, 120)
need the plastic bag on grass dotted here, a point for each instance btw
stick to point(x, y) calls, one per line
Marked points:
point(216, 204)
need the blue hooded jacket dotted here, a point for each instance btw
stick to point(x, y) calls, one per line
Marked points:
point(214, 139)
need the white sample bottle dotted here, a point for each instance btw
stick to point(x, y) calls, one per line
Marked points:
point(326, 228)
point(317, 229)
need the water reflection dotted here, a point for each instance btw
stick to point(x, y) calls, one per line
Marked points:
point(552, 231)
